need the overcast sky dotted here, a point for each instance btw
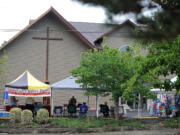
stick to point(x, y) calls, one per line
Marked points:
point(15, 14)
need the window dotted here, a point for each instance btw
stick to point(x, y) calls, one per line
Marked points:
point(124, 48)
point(127, 48)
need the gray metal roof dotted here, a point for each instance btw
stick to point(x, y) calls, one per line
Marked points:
point(67, 84)
point(92, 31)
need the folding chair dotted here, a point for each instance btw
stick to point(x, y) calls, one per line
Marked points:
point(58, 111)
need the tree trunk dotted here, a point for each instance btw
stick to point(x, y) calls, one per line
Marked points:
point(117, 109)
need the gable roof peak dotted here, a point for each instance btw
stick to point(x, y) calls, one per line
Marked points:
point(60, 17)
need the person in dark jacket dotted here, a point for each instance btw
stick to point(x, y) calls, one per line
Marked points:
point(73, 100)
point(104, 109)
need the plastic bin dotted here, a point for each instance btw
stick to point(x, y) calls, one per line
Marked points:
point(4, 114)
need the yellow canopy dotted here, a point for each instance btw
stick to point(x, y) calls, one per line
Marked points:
point(28, 82)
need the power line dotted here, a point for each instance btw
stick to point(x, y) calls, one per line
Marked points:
point(53, 31)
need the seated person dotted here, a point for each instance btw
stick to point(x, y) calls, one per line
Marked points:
point(79, 104)
point(13, 101)
point(83, 110)
point(104, 109)
point(37, 106)
point(30, 103)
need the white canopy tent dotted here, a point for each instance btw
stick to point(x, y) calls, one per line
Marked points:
point(69, 83)
point(174, 79)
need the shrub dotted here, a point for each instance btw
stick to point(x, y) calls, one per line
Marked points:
point(15, 115)
point(42, 116)
point(26, 117)
point(172, 122)
point(2, 125)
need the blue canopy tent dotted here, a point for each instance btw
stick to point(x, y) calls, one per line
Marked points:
point(69, 83)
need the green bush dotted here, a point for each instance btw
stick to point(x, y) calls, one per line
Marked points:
point(172, 122)
point(15, 115)
point(42, 116)
point(26, 117)
point(2, 125)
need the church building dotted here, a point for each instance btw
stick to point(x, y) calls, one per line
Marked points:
point(67, 40)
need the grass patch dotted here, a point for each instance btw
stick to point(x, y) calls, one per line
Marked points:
point(83, 124)
point(133, 124)
point(80, 125)
point(172, 122)
point(2, 125)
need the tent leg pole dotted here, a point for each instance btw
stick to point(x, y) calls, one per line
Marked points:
point(139, 105)
point(88, 100)
point(52, 104)
point(97, 104)
point(4, 104)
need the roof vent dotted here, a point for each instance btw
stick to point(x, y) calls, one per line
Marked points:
point(31, 21)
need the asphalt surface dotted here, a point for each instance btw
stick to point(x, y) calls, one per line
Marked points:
point(151, 132)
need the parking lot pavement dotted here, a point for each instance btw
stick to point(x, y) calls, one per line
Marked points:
point(129, 114)
point(135, 113)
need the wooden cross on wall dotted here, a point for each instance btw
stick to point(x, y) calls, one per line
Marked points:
point(47, 38)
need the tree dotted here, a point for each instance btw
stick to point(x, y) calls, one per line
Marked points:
point(108, 71)
point(160, 36)
point(2, 68)
point(162, 25)
point(164, 59)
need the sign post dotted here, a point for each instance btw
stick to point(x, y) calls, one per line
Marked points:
point(5, 97)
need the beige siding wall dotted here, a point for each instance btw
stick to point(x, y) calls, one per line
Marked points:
point(65, 95)
point(120, 37)
point(123, 37)
point(116, 42)
point(26, 53)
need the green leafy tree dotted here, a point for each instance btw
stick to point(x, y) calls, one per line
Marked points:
point(163, 60)
point(2, 64)
point(2, 69)
point(160, 35)
point(107, 72)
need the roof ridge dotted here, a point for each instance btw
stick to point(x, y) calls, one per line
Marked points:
point(93, 23)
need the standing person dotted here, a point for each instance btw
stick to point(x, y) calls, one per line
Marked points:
point(172, 108)
point(83, 110)
point(168, 110)
point(71, 109)
point(13, 101)
point(144, 103)
point(30, 103)
point(73, 100)
point(104, 109)
point(154, 107)
point(160, 110)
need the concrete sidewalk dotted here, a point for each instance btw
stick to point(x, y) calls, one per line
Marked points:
point(129, 114)
point(135, 114)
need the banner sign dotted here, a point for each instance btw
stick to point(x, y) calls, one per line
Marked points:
point(5, 95)
point(28, 93)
